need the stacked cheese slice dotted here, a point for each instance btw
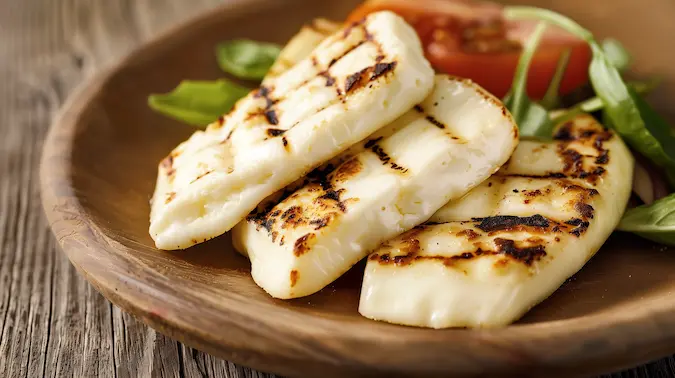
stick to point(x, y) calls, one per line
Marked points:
point(350, 147)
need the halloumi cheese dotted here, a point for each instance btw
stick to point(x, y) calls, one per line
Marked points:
point(301, 45)
point(355, 82)
point(389, 183)
point(486, 259)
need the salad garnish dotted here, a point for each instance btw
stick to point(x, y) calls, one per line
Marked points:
point(619, 102)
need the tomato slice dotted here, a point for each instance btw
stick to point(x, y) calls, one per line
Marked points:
point(471, 39)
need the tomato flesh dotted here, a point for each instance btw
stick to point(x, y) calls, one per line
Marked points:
point(471, 39)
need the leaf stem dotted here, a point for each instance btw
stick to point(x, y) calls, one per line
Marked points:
point(550, 98)
point(520, 78)
point(533, 13)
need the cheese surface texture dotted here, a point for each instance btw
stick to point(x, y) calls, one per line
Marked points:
point(355, 82)
point(387, 184)
point(486, 259)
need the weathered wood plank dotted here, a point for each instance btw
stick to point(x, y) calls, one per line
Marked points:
point(52, 323)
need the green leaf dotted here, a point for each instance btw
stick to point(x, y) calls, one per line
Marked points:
point(616, 53)
point(532, 119)
point(198, 102)
point(246, 59)
point(631, 116)
point(655, 221)
point(595, 104)
point(626, 111)
point(659, 140)
point(551, 97)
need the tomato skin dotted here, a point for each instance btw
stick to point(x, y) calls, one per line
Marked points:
point(494, 65)
point(494, 72)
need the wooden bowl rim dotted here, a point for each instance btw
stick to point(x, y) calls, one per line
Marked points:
point(635, 337)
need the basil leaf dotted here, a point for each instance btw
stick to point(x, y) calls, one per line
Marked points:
point(198, 102)
point(616, 53)
point(551, 98)
point(532, 119)
point(246, 59)
point(654, 222)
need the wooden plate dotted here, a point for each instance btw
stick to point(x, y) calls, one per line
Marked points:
point(98, 172)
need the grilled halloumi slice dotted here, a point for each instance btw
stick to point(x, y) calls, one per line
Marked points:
point(486, 259)
point(301, 45)
point(389, 183)
point(355, 82)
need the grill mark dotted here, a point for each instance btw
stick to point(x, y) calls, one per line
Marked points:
point(505, 247)
point(573, 160)
point(355, 24)
point(370, 143)
point(348, 169)
point(169, 197)
point(429, 117)
point(603, 158)
point(327, 204)
point(354, 79)
point(580, 226)
point(346, 52)
point(372, 73)
point(284, 141)
point(330, 80)
point(507, 222)
point(410, 245)
point(219, 122)
point(469, 233)
point(569, 186)
point(201, 175)
point(292, 217)
point(167, 165)
point(303, 244)
point(532, 193)
point(167, 162)
point(271, 117)
point(435, 122)
point(382, 68)
point(334, 195)
point(228, 137)
point(556, 175)
point(564, 132)
point(384, 157)
point(294, 277)
point(267, 217)
point(584, 209)
point(525, 255)
point(269, 112)
point(321, 222)
point(275, 132)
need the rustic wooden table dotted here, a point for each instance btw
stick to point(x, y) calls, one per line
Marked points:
point(52, 322)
